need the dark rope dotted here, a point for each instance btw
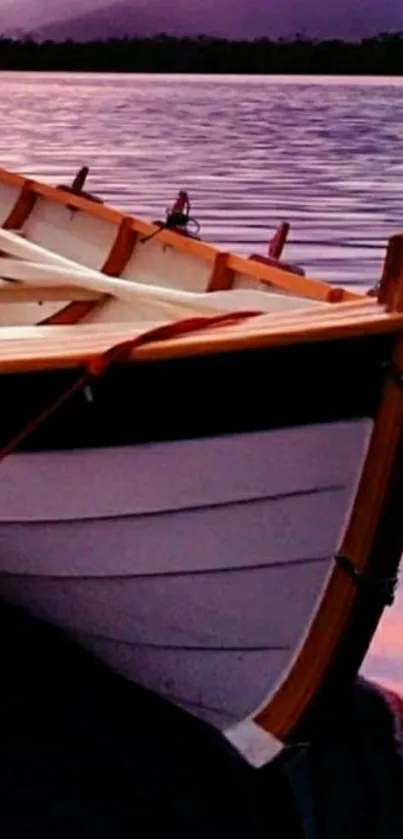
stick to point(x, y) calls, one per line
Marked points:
point(173, 221)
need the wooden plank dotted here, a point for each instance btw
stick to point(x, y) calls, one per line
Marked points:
point(75, 313)
point(22, 207)
point(77, 347)
point(222, 277)
point(231, 339)
point(15, 292)
point(372, 547)
point(267, 323)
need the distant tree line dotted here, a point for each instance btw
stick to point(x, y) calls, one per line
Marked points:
point(382, 55)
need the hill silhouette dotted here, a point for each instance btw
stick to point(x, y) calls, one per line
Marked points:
point(233, 19)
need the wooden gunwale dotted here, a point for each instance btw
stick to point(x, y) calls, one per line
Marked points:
point(373, 542)
point(74, 347)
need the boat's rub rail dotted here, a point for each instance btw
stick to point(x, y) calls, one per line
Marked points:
point(223, 268)
point(49, 347)
point(371, 548)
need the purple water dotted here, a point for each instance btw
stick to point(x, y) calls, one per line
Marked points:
point(324, 153)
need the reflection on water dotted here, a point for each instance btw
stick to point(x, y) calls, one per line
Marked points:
point(325, 154)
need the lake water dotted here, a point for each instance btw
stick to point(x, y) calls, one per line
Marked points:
point(326, 154)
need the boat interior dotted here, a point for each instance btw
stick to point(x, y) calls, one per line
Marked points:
point(66, 258)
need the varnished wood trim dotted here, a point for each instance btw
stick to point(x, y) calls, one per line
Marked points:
point(121, 250)
point(260, 336)
point(72, 313)
point(53, 352)
point(373, 543)
point(301, 286)
point(22, 207)
point(15, 292)
point(222, 277)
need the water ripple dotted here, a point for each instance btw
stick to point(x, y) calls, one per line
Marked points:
point(325, 154)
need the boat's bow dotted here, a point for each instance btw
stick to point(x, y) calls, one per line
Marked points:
point(210, 503)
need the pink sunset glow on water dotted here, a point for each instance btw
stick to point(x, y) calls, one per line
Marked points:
point(385, 659)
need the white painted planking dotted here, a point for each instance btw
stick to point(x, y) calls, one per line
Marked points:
point(224, 536)
point(206, 606)
point(75, 235)
point(21, 314)
point(246, 608)
point(153, 477)
point(156, 263)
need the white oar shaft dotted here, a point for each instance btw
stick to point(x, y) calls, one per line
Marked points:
point(14, 245)
point(33, 264)
point(125, 290)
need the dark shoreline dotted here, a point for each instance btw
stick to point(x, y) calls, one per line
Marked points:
point(378, 56)
point(86, 755)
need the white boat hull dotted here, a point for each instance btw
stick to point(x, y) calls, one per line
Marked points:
point(192, 567)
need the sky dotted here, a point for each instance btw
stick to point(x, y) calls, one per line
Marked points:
point(233, 18)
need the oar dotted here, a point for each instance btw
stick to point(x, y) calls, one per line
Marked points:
point(36, 273)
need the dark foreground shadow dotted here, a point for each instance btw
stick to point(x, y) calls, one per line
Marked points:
point(86, 755)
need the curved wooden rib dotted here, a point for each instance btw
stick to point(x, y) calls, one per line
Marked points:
point(222, 277)
point(348, 616)
point(22, 207)
point(72, 313)
point(114, 264)
point(121, 249)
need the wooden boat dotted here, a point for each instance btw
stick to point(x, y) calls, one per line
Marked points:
point(210, 504)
